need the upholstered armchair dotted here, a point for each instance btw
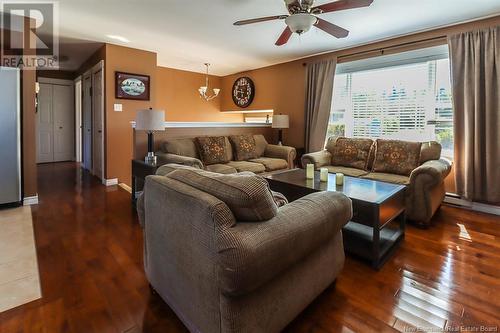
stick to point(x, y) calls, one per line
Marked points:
point(226, 258)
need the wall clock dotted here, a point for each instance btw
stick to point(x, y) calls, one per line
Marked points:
point(243, 92)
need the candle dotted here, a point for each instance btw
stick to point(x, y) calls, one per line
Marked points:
point(323, 174)
point(339, 179)
point(310, 171)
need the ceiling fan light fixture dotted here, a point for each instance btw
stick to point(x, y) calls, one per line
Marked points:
point(301, 22)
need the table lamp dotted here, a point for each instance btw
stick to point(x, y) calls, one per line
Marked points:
point(280, 121)
point(149, 121)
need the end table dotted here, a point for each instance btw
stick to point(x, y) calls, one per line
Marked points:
point(141, 169)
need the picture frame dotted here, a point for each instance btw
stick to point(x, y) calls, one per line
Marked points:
point(132, 86)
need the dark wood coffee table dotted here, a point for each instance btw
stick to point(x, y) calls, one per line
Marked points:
point(378, 221)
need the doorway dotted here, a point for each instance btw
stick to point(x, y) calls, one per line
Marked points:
point(55, 119)
point(93, 120)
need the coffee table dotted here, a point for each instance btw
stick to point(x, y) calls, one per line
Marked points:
point(378, 222)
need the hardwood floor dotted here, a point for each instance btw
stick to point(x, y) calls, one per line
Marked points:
point(89, 247)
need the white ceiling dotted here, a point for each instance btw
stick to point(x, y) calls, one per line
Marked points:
point(187, 33)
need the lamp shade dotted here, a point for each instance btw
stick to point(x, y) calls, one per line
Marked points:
point(281, 121)
point(150, 120)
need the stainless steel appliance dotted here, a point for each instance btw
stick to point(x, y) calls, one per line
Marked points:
point(10, 136)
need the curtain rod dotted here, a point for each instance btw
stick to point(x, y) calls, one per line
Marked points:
point(382, 50)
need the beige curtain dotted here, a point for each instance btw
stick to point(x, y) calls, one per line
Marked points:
point(319, 92)
point(475, 66)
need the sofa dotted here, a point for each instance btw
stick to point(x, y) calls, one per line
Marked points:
point(418, 165)
point(226, 258)
point(227, 154)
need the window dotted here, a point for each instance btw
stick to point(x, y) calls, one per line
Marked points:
point(407, 102)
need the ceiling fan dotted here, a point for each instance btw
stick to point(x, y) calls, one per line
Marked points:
point(303, 15)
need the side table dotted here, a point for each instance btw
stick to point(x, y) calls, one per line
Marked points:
point(140, 170)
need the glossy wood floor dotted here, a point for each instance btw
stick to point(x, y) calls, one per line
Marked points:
point(90, 259)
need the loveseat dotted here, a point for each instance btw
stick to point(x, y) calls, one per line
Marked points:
point(227, 154)
point(226, 258)
point(418, 165)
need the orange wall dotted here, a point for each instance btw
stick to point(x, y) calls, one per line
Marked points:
point(119, 138)
point(281, 88)
point(177, 94)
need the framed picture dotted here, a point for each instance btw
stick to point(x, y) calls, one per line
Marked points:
point(132, 86)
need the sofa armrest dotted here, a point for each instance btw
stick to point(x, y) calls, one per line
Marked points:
point(250, 254)
point(166, 158)
point(435, 171)
point(319, 159)
point(284, 152)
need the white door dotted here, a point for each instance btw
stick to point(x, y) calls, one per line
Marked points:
point(97, 100)
point(45, 128)
point(87, 122)
point(64, 123)
point(78, 120)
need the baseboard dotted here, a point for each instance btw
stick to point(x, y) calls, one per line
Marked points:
point(110, 182)
point(28, 201)
point(125, 187)
point(475, 206)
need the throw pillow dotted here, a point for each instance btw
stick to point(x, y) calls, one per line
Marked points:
point(212, 149)
point(244, 147)
point(398, 157)
point(247, 195)
point(350, 152)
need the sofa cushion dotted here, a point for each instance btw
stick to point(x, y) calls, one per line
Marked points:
point(221, 168)
point(330, 143)
point(260, 144)
point(398, 157)
point(430, 151)
point(388, 178)
point(247, 166)
point(244, 147)
point(229, 149)
point(353, 172)
point(271, 164)
point(247, 195)
point(183, 147)
point(212, 149)
point(351, 152)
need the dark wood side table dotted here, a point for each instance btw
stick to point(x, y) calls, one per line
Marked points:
point(140, 170)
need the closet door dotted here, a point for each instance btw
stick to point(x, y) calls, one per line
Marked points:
point(64, 123)
point(45, 119)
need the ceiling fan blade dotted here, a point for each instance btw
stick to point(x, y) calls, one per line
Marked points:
point(262, 19)
point(285, 36)
point(331, 28)
point(341, 5)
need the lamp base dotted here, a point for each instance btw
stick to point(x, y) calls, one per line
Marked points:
point(150, 158)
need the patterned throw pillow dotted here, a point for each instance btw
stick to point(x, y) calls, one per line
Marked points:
point(398, 157)
point(244, 147)
point(350, 152)
point(212, 149)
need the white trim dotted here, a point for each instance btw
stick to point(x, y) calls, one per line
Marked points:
point(248, 111)
point(110, 182)
point(475, 206)
point(28, 201)
point(125, 187)
point(60, 82)
point(172, 124)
